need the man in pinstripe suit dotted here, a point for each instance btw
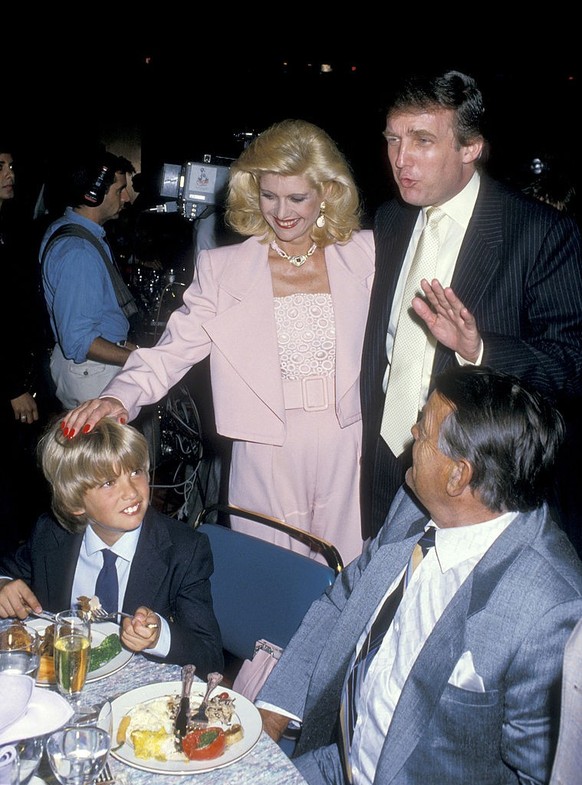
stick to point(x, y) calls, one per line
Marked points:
point(507, 290)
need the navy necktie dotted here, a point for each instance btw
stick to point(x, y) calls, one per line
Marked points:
point(107, 587)
point(370, 648)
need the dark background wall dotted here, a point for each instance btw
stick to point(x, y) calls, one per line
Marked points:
point(172, 84)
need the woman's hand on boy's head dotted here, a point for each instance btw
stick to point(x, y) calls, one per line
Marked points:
point(86, 416)
point(17, 599)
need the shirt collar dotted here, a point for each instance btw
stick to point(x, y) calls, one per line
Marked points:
point(459, 543)
point(124, 547)
point(460, 207)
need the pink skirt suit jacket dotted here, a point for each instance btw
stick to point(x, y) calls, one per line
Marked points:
point(228, 313)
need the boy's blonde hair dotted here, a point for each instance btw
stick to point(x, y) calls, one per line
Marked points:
point(74, 466)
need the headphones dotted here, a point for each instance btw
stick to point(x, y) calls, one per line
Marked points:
point(97, 188)
point(91, 178)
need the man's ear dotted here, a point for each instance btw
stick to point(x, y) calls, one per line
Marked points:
point(473, 151)
point(79, 512)
point(460, 475)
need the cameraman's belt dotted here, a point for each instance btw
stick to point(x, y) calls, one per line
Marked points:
point(312, 393)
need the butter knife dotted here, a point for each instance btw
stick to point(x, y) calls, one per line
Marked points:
point(181, 721)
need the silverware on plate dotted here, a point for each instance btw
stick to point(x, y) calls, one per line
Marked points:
point(199, 717)
point(181, 721)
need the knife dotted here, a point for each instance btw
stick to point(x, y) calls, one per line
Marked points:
point(181, 721)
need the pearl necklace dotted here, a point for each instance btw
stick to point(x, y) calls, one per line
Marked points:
point(296, 261)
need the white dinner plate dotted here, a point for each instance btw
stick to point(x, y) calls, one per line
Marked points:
point(246, 713)
point(99, 631)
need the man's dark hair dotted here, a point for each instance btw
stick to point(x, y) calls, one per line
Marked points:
point(510, 434)
point(85, 172)
point(450, 90)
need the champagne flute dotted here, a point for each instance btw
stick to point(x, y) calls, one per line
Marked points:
point(72, 645)
point(77, 755)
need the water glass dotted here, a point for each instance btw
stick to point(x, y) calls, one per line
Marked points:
point(77, 755)
point(19, 648)
point(30, 754)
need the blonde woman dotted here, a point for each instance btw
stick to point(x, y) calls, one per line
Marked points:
point(282, 316)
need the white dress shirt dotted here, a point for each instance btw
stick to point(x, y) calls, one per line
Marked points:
point(433, 584)
point(451, 229)
point(89, 565)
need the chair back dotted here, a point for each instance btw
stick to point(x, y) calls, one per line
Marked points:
point(567, 768)
point(260, 590)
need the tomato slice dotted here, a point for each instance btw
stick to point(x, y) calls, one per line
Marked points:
point(204, 743)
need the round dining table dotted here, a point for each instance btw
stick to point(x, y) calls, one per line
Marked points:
point(264, 764)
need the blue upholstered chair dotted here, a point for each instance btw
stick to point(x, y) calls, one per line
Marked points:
point(261, 590)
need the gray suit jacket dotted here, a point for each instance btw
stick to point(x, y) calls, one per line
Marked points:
point(514, 614)
point(170, 573)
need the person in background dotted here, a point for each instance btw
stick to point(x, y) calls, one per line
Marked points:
point(88, 302)
point(507, 288)
point(282, 317)
point(100, 500)
point(26, 404)
point(464, 685)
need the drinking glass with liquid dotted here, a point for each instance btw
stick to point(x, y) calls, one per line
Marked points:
point(72, 652)
point(19, 648)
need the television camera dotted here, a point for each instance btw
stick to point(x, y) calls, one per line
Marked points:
point(193, 186)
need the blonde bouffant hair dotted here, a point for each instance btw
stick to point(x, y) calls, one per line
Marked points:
point(74, 466)
point(301, 149)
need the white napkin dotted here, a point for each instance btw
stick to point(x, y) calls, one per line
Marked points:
point(15, 690)
point(45, 712)
point(8, 760)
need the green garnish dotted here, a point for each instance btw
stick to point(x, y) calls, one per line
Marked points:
point(106, 651)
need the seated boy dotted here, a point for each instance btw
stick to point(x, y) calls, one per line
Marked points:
point(99, 485)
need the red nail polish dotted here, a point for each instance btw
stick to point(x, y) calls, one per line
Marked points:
point(122, 420)
point(71, 433)
point(86, 428)
point(62, 425)
point(65, 431)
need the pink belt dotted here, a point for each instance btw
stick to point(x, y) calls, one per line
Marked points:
point(312, 393)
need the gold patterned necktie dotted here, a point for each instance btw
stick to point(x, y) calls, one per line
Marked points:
point(402, 402)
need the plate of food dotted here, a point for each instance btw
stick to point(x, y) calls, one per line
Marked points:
point(107, 654)
point(143, 724)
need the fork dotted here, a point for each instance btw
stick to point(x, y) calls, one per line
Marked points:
point(106, 777)
point(101, 615)
point(199, 716)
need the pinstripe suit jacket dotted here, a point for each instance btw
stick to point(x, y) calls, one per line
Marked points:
point(519, 271)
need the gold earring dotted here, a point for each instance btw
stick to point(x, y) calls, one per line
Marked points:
point(320, 222)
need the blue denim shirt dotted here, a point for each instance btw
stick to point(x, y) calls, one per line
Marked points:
point(78, 291)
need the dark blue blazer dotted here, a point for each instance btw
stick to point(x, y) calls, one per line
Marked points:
point(519, 271)
point(170, 573)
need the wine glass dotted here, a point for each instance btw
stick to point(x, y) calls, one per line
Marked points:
point(77, 755)
point(72, 645)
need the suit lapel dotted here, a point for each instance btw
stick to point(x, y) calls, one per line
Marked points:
point(144, 581)
point(61, 558)
point(478, 256)
point(348, 283)
point(244, 330)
